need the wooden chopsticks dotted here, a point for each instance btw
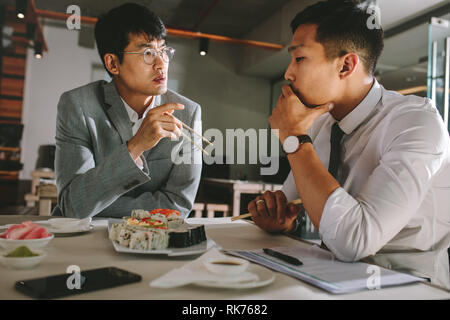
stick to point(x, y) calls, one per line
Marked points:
point(194, 143)
point(193, 131)
point(246, 215)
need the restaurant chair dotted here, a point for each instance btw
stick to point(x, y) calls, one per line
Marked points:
point(47, 195)
point(198, 209)
point(36, 176)
point(45, 167)
point(212, 208)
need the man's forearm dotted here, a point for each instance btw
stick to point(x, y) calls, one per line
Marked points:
point(314, 182)
point(82, 194)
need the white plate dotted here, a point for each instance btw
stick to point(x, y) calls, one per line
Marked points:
point(68, 231)
point(266, 277)
point(171, 252)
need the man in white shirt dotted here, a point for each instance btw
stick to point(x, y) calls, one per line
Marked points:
point(385, 197)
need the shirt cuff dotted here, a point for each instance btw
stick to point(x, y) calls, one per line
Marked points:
point(338, 203)
point(138, 161)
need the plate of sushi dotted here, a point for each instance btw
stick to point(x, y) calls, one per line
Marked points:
point(159, 231)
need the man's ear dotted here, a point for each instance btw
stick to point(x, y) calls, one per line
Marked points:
point(348, 64)
point(111, 63)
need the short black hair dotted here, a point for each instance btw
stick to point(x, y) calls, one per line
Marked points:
point(342, 28)
point(112, 30)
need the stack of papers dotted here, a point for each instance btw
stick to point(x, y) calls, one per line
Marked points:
point(320, 268)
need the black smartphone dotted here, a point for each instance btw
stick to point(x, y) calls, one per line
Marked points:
point(68, 284)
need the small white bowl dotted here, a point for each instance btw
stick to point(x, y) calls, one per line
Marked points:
point(23, 262)
point(226, 266)
point(11, 244)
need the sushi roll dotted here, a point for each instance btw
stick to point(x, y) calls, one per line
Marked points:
point(174, 219)
point(179, 238)
point(115, 231)
point(175, 223)
point(157, 229)
point(131, 221)
point(202, 232)
point(140, 240)
point(140, 214)
point(158, 217)
point(160, 239)
point(194, 235)
point(124, 237)
point(197, 233)
point(165, 212)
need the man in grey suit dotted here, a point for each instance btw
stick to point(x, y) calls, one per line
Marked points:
point(116, 142)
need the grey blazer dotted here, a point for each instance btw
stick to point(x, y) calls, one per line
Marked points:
point(95, 173)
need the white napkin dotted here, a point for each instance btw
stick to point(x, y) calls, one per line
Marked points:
point(195, 271)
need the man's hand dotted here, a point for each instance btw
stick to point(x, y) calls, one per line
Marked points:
point(159, 123)
point(271, 212)
point(291, 117)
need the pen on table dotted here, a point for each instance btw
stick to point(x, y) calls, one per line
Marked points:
point(282, 256)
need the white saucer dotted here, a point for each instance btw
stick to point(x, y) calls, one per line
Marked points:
point(68, 231)
point(265, 277)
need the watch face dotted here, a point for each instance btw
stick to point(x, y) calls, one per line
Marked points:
point(290, 144)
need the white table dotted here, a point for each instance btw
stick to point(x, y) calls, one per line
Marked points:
point(94, 250)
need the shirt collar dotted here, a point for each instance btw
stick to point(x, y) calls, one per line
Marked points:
point(133, 115)
point(352, 120)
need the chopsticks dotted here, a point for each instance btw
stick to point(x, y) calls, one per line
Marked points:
point(246, 215)
point(194, 143)
point(193, 131)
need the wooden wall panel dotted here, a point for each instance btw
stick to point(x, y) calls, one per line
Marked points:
point(12, 75)
point(13, 65)
point(11, 86)
point(10, 108)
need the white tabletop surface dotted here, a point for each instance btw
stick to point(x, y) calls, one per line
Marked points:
point(94, 250)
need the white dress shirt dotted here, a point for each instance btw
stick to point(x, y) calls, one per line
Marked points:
point(393, 206)
point(136, 123)
point(134, 117)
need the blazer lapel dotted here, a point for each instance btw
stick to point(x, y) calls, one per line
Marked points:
point(116, 112)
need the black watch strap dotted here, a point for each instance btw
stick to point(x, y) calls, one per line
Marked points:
point(298, 222)
point(304, 138)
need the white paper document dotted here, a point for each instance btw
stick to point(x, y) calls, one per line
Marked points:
point(320, 268)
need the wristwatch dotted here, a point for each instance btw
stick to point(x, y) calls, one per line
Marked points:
point(292, 143)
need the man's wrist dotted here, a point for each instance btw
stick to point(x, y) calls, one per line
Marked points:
point(293, 227)
point(134, 149)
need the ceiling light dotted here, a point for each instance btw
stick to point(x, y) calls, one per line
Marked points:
point(21, 8)
point(204, 44)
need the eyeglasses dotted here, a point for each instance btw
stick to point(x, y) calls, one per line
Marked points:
point(151, 54)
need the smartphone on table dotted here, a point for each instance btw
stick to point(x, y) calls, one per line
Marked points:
point(67, 284)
